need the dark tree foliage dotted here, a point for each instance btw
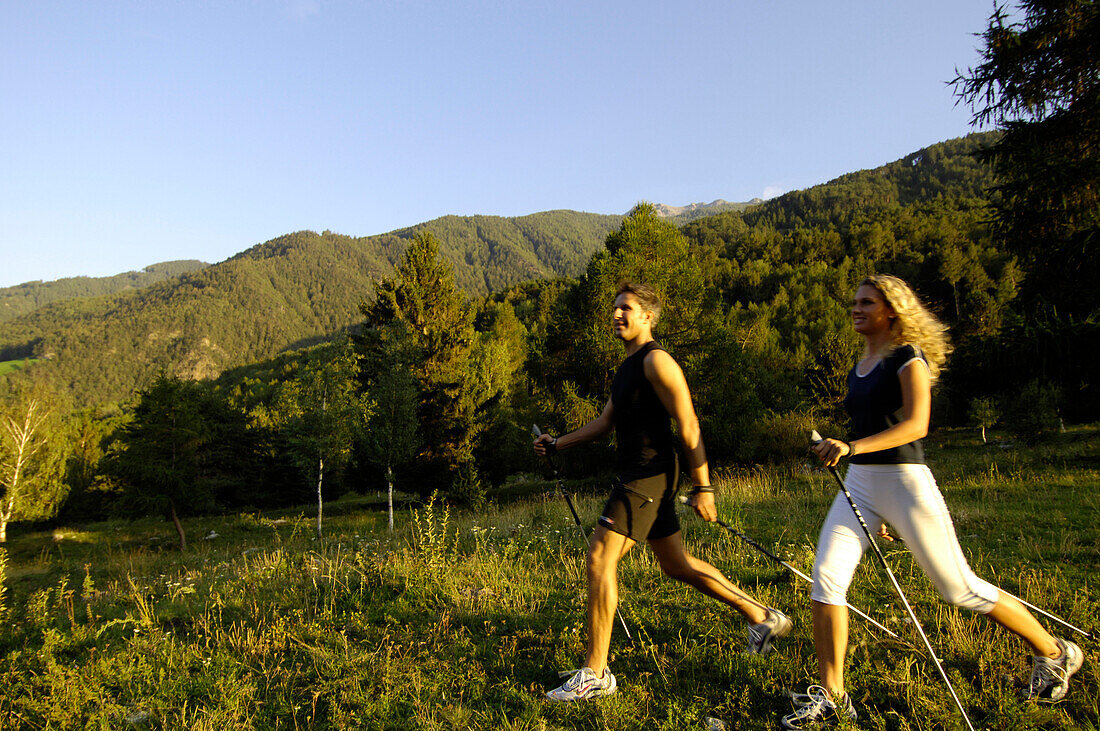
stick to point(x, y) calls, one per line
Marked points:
point(422, 295)
point(185, 451)
point(319, 414)
point(391, 435)
point(1039, 83)
point(501, 352)
point(158, 453)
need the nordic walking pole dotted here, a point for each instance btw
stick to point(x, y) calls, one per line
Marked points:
point(815, 438)
point(1054, 618)
point(1048, 615)
point(1043, 612)
point(576, 518)
point(789, 567)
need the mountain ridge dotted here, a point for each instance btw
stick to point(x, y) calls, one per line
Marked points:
point(287, 292)
point(303, 287)
point(28, 296)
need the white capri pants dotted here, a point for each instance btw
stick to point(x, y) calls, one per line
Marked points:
point(906, 497)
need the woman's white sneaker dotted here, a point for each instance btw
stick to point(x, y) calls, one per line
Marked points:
point(584, 684)
point(817, 706)
point(1050, 677)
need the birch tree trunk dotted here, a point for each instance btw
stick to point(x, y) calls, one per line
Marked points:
point(320, 501)
point(389, 484)
point(5, 518)
point(23, 447)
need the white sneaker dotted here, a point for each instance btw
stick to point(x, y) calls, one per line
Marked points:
point(761, 636)
point(817, 706)
point(1050, 676)
point(584, 684)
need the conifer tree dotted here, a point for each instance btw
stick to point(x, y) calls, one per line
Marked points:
point(422, 294)
point(1039, 83)
point(157, 455)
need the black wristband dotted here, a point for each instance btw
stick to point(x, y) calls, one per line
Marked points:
point(701, 489)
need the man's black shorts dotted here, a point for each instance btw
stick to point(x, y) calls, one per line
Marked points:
point(643, 509)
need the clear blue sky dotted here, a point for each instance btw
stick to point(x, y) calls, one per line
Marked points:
point(138, 132)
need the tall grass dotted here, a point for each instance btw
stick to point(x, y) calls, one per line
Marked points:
point(462, 620)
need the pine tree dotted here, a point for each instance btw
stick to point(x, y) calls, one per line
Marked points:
point(423, 296)
point(1039, 83)
point(157, 455)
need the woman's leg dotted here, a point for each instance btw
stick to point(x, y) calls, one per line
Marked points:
point(1013, 616)
point(831, 644)
point(839, 550)
point(918, 513)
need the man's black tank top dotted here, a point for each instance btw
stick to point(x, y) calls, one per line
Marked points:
point(643, 430)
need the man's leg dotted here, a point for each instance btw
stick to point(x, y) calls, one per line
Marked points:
point(604, 552)
point(682, 566)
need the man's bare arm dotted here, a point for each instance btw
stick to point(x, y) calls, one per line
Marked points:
point(672, 389)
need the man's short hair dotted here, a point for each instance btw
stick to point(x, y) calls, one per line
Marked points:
point(647, 297)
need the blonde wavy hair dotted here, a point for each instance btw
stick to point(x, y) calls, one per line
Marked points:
point(914, 324)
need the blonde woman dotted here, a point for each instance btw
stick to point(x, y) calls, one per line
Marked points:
point(889, 400)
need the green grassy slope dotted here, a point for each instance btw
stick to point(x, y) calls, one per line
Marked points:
point(461, 620)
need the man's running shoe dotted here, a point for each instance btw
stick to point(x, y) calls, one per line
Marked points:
point(761, 636)
point(818, 707)
point(1050, 676)
point(584, 684)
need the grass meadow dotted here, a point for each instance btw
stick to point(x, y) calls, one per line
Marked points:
point(461, 620)
point(10, 366)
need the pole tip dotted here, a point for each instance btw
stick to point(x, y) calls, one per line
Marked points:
point(814, 437)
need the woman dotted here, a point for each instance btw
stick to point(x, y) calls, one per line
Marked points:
point(889, 400)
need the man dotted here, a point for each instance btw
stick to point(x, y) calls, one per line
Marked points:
point(649, 388)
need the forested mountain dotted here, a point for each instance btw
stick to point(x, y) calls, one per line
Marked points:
point(923, 217)
point(785, 268)
point(756, 313)
point(29, 296)
point(944, 170)
point(287, 292)
point(489, 253)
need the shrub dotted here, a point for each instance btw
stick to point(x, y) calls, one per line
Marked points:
point(1033, 414)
